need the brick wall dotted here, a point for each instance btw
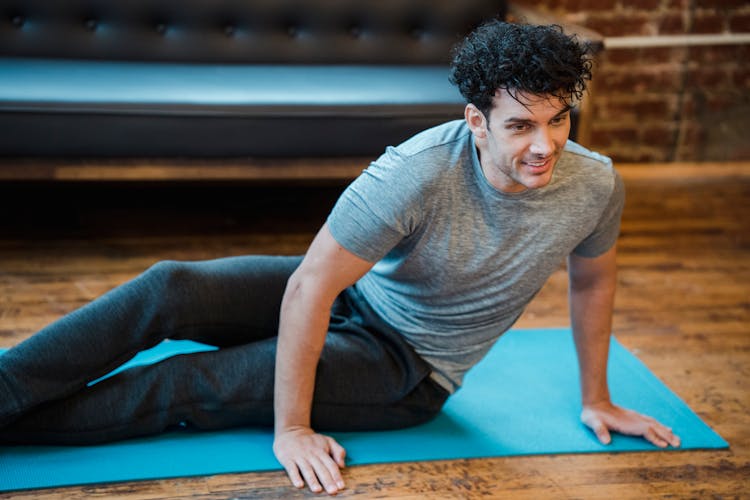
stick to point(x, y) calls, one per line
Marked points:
point(667, 103)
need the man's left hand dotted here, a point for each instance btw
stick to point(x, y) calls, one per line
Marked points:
point(604, 417)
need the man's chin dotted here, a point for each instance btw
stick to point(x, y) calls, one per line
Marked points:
point(538, 181)
point(536, 176)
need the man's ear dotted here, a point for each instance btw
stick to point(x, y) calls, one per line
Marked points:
point(476, 120)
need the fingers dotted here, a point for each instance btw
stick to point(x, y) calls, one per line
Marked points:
point(654, 438)
point(662, 436)
point(606, 418)
point(670, 437)
point(318, 472)
point(294, 476)
point(655, 432)
point(312, 471)
point(597, 425)
point(602, 433)
point(310, 478)
point(337, 452)
point(675, 440)
point(311, 458)
point(329, 474)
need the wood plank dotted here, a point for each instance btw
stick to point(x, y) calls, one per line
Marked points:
point(290, 169)
point(685, 171)
point(156, 170)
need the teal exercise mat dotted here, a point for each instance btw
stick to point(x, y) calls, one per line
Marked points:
point(522, 399)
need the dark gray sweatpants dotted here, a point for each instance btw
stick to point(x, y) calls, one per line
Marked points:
point(368, 378)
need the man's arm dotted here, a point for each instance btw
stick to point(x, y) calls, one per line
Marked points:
point(326, 270)
point(592, 293)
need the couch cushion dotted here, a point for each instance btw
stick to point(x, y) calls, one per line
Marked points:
point(98, 108)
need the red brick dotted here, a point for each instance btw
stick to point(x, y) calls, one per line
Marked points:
point(614, 83)
point(601, 139)
point(741, 52)
point(551, 5)
point(536, 3)
point(604, 109)
point(616, 111)
point(643, 4)
point(671, 23)
point(692, 133)
point(615, 135)
point(741, 77)
point(718, 103)
point(666, 80)
point(709, 77)
point(707, 22)
point(619, 57)
point(620, 25)
point(739, 23)
point(662, 107)
point(720, 4)
point(662, 54)
point(595, 5)
point(660, 135)
point(677, 4)
point(639, 80)
point(688, 105)
point(712, 55)
point(629, 107)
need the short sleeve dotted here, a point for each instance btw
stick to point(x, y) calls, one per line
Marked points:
point(380, 208)
point(607, 229)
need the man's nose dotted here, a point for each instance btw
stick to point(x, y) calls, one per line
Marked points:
point(542, 143)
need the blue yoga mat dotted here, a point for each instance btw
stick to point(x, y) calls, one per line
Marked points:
point(522, 399)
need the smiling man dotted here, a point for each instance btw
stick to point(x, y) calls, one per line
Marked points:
point(448, 236)
point(426, 259)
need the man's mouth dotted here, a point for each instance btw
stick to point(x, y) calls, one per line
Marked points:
point(539, 165)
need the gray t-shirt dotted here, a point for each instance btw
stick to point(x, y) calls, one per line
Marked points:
point(457, 260)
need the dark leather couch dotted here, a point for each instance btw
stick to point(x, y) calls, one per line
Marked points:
point(226, 78)
point(209, 78)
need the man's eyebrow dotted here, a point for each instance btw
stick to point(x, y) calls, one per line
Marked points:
point(567, 108)
point(514, 119)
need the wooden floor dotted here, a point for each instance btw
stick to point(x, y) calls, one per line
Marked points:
point(683, 307)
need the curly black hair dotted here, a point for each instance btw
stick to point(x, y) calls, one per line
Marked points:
point(539, 60)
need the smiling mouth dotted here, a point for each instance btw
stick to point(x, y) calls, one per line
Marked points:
point(538, 166)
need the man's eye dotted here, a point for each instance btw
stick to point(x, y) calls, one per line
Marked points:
point(519, 127)
point(560, 119)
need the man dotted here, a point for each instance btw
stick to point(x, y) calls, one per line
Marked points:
point(463, 242)
point(427, 258)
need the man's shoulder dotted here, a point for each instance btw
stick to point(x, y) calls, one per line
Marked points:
point(585, 158)
point(436, 140)
point(583, 166)
point(587, 175)
point(428, 159)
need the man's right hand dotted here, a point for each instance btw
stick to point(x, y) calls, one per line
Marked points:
point(310, 458)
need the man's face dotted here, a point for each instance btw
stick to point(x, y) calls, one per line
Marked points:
point(522, 141)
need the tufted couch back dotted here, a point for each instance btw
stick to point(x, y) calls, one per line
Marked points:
point(226, 78)
point(393, 32)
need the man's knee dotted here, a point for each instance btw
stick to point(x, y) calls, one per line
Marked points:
point(168, 275)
